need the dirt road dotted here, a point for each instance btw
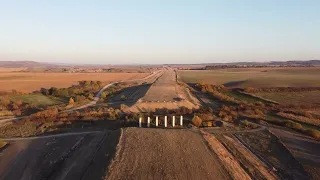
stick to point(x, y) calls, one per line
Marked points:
point(164, 154)
point(72, 157)
point(164, 89)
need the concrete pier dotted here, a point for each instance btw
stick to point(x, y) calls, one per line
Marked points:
point(173, 121)
point(165, 121)
point(157, 121)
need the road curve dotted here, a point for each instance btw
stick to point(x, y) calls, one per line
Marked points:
point(92, 103)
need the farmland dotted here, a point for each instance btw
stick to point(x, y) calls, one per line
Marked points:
point(227, 133)
point(255, 77)
point(306, 98)
point(28, 82)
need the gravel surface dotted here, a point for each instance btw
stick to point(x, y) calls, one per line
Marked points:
point(164, 154)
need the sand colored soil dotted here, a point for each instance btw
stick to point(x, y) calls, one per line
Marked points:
point(226, 158)
point(28, 82)
point(164, 154)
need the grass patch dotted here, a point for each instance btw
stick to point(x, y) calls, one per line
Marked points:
point(38, 99)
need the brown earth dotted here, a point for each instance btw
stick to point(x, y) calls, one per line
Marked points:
point(28, 82)
point(164, 154)
point(164, 89)
point(268, 147)
point(304, 149)
point(69, 157)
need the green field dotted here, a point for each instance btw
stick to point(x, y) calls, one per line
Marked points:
point(255, 77)
point(38, 99)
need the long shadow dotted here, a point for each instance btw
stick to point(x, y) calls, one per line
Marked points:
point(234, 83)
point(129, 96)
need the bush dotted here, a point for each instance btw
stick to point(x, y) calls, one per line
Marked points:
point(245, 123)
point(293, 125)
point(313, 133)
point(123, 97)
point(197, 121)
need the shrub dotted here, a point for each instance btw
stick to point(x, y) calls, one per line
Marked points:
point(293, 125)
point(313, 133)
point(123, 97)
point(71, 101)
point(245, 123)
point(197, 121)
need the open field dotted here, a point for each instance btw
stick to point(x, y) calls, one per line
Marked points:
point(59, 157)
point(306, 98)
point(28, 82)
point(38, 99)
point(10, 69)
point(255, 77)
point(164, 154)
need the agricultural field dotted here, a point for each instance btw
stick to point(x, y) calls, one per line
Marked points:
point(28, 82)
point(255, 77)
point(305, 98)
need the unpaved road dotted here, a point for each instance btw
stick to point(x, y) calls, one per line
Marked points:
point(164, 154)
point(164, 89)
point(96, 98)
point(72, 157)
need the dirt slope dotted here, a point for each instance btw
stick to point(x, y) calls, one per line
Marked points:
point(164, 154)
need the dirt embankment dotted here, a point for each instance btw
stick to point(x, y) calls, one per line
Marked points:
point(164, 154)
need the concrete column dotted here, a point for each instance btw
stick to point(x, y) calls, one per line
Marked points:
point(148, 121)
point(173, 121)
point(157, 121)
point(140, 122)
point(181, 120)
point(165, 121)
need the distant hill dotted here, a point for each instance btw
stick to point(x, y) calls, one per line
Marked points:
point(310, 63)
point(24, 64)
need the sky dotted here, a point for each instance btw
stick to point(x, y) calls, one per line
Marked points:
point(159, 31)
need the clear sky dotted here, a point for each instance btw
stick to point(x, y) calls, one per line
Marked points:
point(159, 31)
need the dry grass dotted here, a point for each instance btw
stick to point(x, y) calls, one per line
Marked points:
point(255, 77)
point(28, 82)
point(2, 144)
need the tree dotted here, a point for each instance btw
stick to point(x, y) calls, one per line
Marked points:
point(52, 91)
point(44, 91)
point(71, 101)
